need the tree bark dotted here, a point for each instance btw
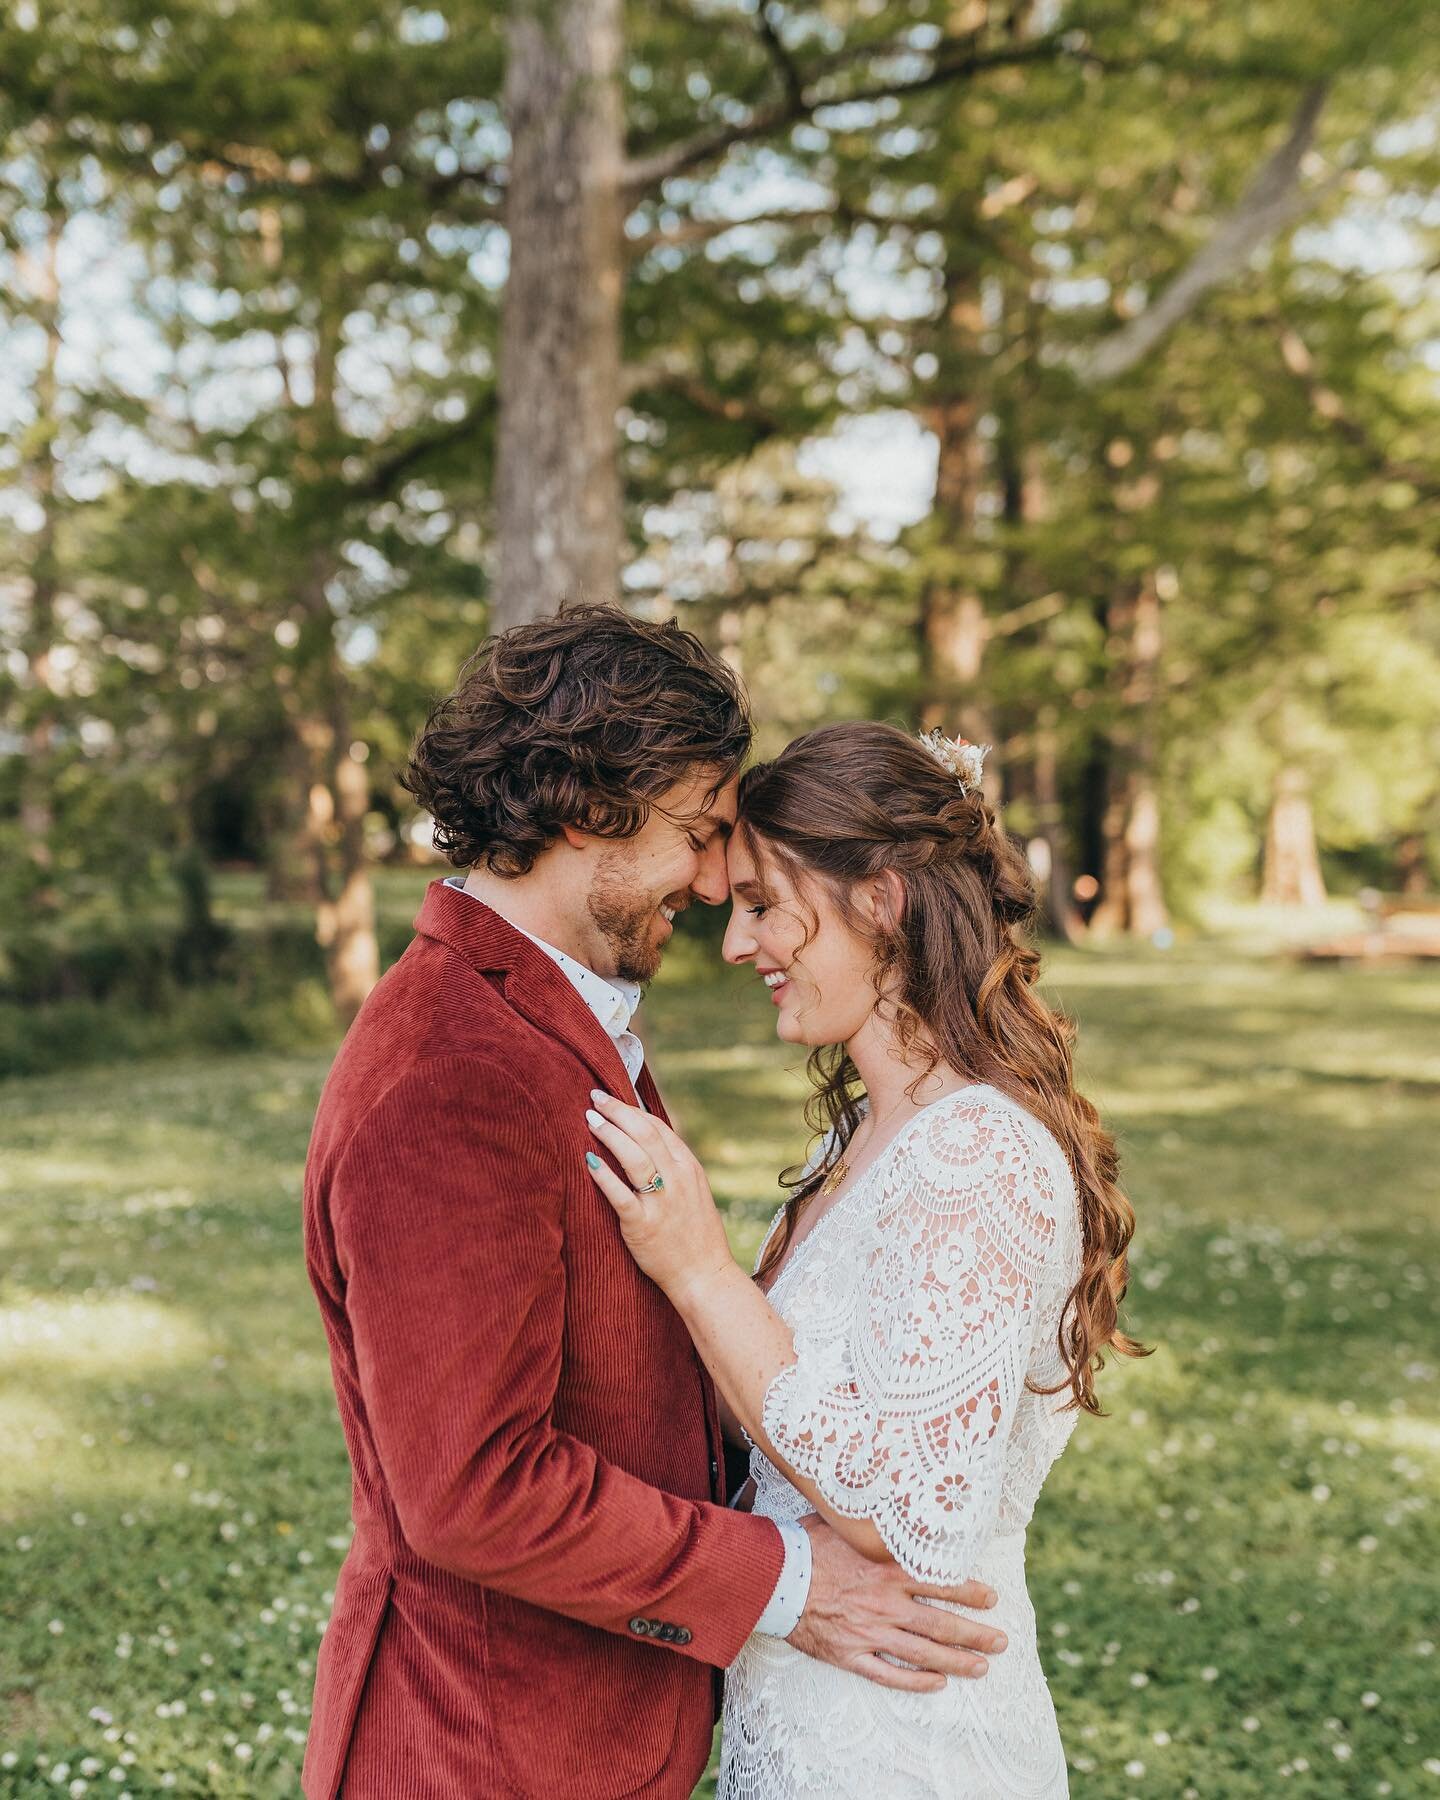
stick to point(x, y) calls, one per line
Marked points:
point(558, 523)
point(1056, 898)
point(318, 702)
point(1132, 898)
point(954, 629)
point(1411, 861)
point(292, 874)
point(1291, 872)
point(39, 706)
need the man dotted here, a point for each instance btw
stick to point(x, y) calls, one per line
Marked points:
point(544, 1577)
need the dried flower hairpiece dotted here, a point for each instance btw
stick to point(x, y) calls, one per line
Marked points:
point(963, 760)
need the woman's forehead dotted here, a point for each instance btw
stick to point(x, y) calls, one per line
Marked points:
point(748, 866)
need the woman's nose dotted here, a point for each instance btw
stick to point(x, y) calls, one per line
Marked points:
point(739, 944)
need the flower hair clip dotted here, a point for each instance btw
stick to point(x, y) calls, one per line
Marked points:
point(964, 760)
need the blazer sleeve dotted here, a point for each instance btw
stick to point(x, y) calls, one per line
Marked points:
point(447, 1214)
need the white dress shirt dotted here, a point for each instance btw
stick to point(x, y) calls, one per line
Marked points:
point(614, 1004)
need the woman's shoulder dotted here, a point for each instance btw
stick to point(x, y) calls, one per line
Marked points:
point(980, 1128)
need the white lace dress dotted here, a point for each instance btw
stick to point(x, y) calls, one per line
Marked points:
point(920, 1303)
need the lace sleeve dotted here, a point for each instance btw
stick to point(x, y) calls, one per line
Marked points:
point(903, 1419)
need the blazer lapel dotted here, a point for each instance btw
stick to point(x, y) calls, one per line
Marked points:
point(530, 981)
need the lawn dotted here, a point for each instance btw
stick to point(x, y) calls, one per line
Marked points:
point(1235, 1573)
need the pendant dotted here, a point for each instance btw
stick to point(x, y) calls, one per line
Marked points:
point(834, 1178)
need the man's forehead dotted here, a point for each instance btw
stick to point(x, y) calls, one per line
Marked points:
point(699, 801)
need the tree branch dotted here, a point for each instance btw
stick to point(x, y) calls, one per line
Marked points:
point(702, 231)
point(390, 470)
point(791, 81)
point(1273, 200)
point(666, 378)
point(952, 61)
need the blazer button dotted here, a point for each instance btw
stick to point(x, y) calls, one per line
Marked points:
point(667, 1634)
point(641, 1627)
point(682, 1636)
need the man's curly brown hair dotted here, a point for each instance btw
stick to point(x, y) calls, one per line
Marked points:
point(580, 719)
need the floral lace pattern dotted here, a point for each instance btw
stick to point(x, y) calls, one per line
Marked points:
point(922, 1303)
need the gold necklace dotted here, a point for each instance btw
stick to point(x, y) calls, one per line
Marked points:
point(833, 1179)
point(842, 1168)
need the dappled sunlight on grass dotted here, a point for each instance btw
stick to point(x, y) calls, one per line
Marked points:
point(1235, 1573)
point(95, 1336)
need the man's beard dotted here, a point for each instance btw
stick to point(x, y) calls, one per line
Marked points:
point(626, 922)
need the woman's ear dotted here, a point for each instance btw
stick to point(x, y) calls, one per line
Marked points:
point(885, 900)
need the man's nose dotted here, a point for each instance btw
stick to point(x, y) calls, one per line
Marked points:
point(712, 883)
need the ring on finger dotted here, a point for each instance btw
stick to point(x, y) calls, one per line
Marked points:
point(655, 1185)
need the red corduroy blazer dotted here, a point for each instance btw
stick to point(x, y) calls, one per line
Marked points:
point(542, 1581)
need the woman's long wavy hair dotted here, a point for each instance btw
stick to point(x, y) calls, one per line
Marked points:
point(846, 803)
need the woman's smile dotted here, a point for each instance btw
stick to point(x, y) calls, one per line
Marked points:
point(777, 981)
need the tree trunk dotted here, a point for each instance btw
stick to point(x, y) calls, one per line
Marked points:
point(557, 484)
point(337, 798)
point(1291, 874)
point(1410, 859)
point(39, 709)
point(319, 706)
point(1132, 898)
point(346, 923)
point(954, 629)
point(1056, 897)
point(291, 872)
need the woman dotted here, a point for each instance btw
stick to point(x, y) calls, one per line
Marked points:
point(931, 1304)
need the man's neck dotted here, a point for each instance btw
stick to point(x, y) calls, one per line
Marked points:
point(535, 907)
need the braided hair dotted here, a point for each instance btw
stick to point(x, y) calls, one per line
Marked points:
point(954, 974)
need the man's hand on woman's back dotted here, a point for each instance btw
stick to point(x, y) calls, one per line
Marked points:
point(857, 1608)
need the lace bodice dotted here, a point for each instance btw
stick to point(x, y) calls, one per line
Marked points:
point(921, 1302)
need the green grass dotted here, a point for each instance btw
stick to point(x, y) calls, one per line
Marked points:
point(1235, 1574)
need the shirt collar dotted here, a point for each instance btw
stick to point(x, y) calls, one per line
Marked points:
point(613, 1002)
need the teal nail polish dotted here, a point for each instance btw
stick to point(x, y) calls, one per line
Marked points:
point(592, 1160)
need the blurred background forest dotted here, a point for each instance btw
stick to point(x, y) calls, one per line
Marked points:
point(1062, 372)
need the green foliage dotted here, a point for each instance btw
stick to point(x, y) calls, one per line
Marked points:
point(249, 524)
point(106, 982)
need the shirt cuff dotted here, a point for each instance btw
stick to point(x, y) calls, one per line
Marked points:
point(792, 1590)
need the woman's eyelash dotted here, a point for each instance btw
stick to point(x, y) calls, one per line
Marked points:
point(758, 910)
